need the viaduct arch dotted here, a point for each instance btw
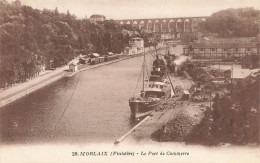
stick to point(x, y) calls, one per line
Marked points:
point(176, 26)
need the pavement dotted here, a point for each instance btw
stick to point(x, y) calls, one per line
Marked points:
point(6, 93)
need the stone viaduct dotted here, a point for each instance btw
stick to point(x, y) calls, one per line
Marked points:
point(174, 26)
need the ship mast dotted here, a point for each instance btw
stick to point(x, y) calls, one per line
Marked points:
point(143, 68)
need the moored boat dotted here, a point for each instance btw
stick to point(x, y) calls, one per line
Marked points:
point(155, 92)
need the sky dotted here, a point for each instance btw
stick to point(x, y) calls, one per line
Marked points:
point(134, 9)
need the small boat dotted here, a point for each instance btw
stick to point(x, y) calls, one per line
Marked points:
point(156, 90)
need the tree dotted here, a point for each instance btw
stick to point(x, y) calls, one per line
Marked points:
point(30, 38)
point(56, 11)
point(232, 22)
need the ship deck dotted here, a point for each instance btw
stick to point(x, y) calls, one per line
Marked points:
point(145, 129)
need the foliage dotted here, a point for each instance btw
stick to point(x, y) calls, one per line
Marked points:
point(31, 38)
point(232, 22)
point(233, 120)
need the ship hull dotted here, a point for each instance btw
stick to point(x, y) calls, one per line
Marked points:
point(143, 108)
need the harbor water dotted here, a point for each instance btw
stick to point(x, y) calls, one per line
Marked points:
point(90, 107)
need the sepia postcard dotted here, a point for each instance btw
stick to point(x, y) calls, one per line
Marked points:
point(129, 81)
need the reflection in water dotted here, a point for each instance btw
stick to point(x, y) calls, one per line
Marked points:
point(89, 107)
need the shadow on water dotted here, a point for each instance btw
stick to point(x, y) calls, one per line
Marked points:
point(31, 118)
point(97, 108)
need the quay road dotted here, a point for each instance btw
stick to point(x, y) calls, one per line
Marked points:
point(17, 91)
point(91, 106)
point(22, 89)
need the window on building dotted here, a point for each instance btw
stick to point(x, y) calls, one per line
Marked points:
point(236, 49)
point(248, 49)
point(201, 50)
point(224, 50)
point(213, 49)
point(161, 87)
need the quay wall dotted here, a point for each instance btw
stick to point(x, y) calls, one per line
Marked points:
point(30, 89)
point(19, 93)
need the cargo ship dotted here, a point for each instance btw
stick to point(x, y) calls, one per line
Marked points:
point(156, 90)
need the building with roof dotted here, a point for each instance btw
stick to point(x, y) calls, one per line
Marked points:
point(97, 18)
point(221, 48)
point(110, 53)
point(73, 67)
point(94, 55)
point(241, 76)
point(137, 42)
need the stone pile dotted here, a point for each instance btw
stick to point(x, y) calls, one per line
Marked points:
point(177, 128)
point(217, 73)
point(204, 75)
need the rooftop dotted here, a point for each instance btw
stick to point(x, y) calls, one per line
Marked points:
point(226, 42)
point(136, 38)
point(73, 64)
point(110, 53)
point(224, 45)
point(97, 16)
point(95, 54)
point(230, 39)
point(241, 73)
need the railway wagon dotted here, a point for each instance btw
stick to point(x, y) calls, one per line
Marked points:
point(110, 58)
point(97, 60)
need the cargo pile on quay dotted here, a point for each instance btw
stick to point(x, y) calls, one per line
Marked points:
point(179, 127)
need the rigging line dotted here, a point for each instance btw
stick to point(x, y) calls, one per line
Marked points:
point(138, 79)
point(67, 106)
point(150, 59)
point(171, 83)
point(147, 72)
point(152, 53)
point(149, 49)
point(144, 62)
point(149, 62)
point(146, 68)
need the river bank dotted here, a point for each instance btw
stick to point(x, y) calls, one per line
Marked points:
point(18, 91)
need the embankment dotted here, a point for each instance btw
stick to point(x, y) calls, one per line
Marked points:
point(29, 88)
point(16, 92)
